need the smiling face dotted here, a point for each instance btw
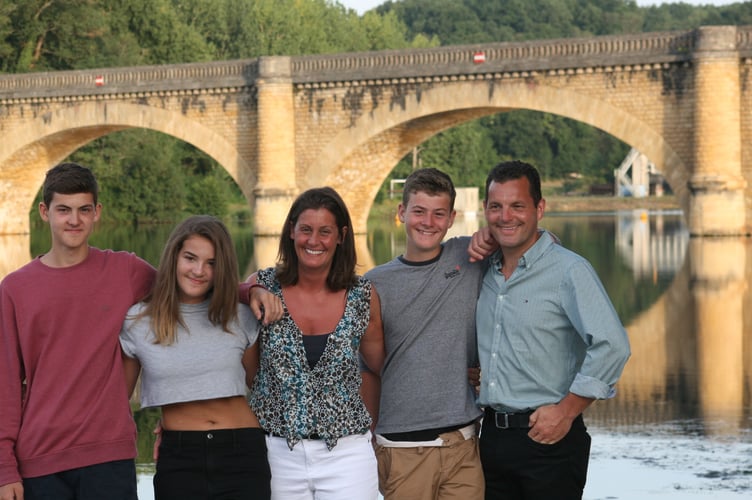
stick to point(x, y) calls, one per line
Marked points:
point(71, 218)
point(195, 270)
point(316, 236)
point(512, 216)
point(427, 219)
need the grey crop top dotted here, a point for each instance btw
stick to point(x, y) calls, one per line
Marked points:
point(203, 363)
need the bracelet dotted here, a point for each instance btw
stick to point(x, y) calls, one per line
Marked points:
point(254, 285)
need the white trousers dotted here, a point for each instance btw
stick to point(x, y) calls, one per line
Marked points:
point(311, 472)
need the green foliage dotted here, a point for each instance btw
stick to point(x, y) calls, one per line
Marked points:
point(6, 30)
point(52, 34)
point(139, 175)
point(162, 35)
point(459, 152)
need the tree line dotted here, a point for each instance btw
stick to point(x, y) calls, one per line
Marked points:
point(150, 177)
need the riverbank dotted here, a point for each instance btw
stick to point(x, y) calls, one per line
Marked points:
point(609, 203)
point(563, 203)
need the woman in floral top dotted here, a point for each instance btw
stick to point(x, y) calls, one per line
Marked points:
point(306, 392)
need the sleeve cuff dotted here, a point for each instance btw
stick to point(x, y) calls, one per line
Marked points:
point(589, 387)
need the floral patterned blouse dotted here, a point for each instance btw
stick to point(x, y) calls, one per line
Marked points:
point(292, 400)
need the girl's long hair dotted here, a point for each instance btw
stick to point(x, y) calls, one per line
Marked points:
point(163, 304)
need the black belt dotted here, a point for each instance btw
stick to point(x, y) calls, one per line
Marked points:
point(310, 436)
point(423, 435)
point(506, 420)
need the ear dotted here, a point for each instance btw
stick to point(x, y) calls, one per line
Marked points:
point(452, 215)
point(401, 212)
point(541, 208)
point(342, 233)
point(97, 212)
point(44, 211)
point(292, 231)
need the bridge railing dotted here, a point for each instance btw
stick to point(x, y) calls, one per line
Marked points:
point(134, 79)
point(538, 55)
point(453, 61)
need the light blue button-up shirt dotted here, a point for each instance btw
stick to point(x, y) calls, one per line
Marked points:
point(549, 330)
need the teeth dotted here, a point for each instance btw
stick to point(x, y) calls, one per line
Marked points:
point(314, 252)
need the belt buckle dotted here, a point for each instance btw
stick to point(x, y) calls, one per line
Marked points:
point(505, 425)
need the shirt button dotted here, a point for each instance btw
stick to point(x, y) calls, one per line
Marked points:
point(493, 355)
point(210, 436)
point(491, 384)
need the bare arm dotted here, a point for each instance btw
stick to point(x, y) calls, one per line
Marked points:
point(251, 363)
point(265, 306)
point(482, 245)
point(370, 392)
point(372, 342)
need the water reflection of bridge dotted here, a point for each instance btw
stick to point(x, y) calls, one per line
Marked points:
point(692, 350)
point(651, 244)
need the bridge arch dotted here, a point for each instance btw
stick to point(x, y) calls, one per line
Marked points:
point(366, 161)
point(29, 151)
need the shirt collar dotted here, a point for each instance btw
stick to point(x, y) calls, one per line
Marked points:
point(532, 254)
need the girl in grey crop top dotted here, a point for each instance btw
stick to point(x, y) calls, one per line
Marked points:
point(195, 348)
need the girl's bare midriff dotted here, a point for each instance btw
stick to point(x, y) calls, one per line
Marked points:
point(222, 413)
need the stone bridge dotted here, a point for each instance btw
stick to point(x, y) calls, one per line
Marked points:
point(280, 125)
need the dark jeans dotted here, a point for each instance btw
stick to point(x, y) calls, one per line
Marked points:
point(227, 464)
point(111, 480)
point(518, 468)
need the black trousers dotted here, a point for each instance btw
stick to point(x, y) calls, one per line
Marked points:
point(518, 468)
point(227, 464)
point(112, 480)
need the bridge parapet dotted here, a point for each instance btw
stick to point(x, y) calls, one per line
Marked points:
point(538, 55)
point(646, 49)
point(135, 79)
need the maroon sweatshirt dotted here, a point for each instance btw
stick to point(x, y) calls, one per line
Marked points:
point(59, 332)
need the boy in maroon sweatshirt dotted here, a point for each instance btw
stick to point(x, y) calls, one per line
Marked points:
point(66, 430)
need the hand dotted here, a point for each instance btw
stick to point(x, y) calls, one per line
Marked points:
point(266, 306)
point(157, 432)
point(482, 245)
point(473, 377)
point(12, 491)
point(549, 424)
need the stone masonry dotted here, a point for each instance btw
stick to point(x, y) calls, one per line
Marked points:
point(280, 125)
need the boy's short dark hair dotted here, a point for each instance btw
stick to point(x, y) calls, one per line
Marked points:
point(429, 180)
point(69, 178)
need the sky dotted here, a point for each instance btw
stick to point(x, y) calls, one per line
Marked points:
point(364, 5)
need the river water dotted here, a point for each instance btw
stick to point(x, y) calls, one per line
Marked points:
point(681, 423)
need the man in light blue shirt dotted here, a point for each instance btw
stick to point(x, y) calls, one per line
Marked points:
point(550, 343)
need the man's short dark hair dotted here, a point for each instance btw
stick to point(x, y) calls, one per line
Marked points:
point(516, 169)
point(69, 178)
